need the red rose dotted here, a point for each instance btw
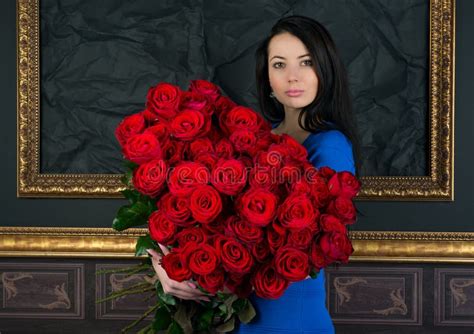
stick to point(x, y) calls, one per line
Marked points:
point(207, 159)
point(163, 100)
point(336, 246)
point(300, 186)
point(319, 191)
point(291, 174)
point(161, 229)
point(200, 146)
point(264, 137)
point(302, 238)
point(224, 149)
point(234, 256)
point(189, 125)
point(268, 159)
point(317, 257)
point(223, 104)
point(292, 264)
point(175, 270)
point(191, 235)
point(160, 130)
point(295, 149)
point(267, 282)
point(263, 177)
point(174, 152)
point(193, 100)
point(142, 148)
point(149, 178)
point(129, 126)
point(205, 204)
point(257, 206)
point(208, 89)
point(244, 141)
point(343, 208)
point(280, 150)
point(201, 259)
point(297, 212)
point(343, 184)
point(184, 178)
point(215, 227)
point(212, 282)
point(229, 176)
point(261, 251)
point(239, 285)
point(330, 223)
point(326, 172)
point(244, 231)
point(151, 118)
point(276, 237)
point(239, 118)
point(176, 209)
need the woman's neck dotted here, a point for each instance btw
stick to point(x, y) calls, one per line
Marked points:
point(290, 126)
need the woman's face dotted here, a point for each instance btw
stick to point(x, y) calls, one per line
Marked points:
point(291, 72)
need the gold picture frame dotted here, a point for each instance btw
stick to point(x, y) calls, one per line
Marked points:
point(369, 246)
point(438, 185)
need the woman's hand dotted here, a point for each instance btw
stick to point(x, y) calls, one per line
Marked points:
point(183, 290)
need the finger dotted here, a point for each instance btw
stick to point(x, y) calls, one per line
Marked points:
point(188, 296)
point(185, 288)
point(164, 249)
point(153, 253)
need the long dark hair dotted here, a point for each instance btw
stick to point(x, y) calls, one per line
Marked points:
point(332, 107)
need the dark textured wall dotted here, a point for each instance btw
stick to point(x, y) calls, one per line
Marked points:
point(409, 216)
point(442, 311)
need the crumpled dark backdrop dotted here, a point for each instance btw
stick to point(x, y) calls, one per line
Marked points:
point(98, 59)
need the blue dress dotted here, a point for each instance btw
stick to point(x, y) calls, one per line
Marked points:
point(302, 308)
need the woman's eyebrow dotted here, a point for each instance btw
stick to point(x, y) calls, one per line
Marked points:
point(280, 57)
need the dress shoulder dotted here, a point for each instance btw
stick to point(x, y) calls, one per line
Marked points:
point(332, 149)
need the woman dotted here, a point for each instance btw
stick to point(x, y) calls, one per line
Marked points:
point(303, 91)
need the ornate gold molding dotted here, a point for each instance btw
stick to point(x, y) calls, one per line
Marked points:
point(377, 246)
point(31, 183)
point(438, 185)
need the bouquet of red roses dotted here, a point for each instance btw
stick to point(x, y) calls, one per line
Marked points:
point(240, 208)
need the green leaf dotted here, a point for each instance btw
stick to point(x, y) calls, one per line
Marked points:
point(144, 242)
point(130, 165)
point(205, 320)
point(239, 304)
point(226, 327)
point(222, 295)
point(162, 319)
point(174, 328)
point(223, 308)
point(247, 313)
point(314, 273)
point(127, 178)
point(132, 195)
point(183, 316)
point(228, 306)
point(131, 216)
point(165, 298)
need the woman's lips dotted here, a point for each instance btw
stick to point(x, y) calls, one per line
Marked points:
point(294, 92)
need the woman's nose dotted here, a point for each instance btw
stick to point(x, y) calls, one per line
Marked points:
point(293, 74)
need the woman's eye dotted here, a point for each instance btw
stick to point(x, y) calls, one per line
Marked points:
point(278, 65)
point(308, 62)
